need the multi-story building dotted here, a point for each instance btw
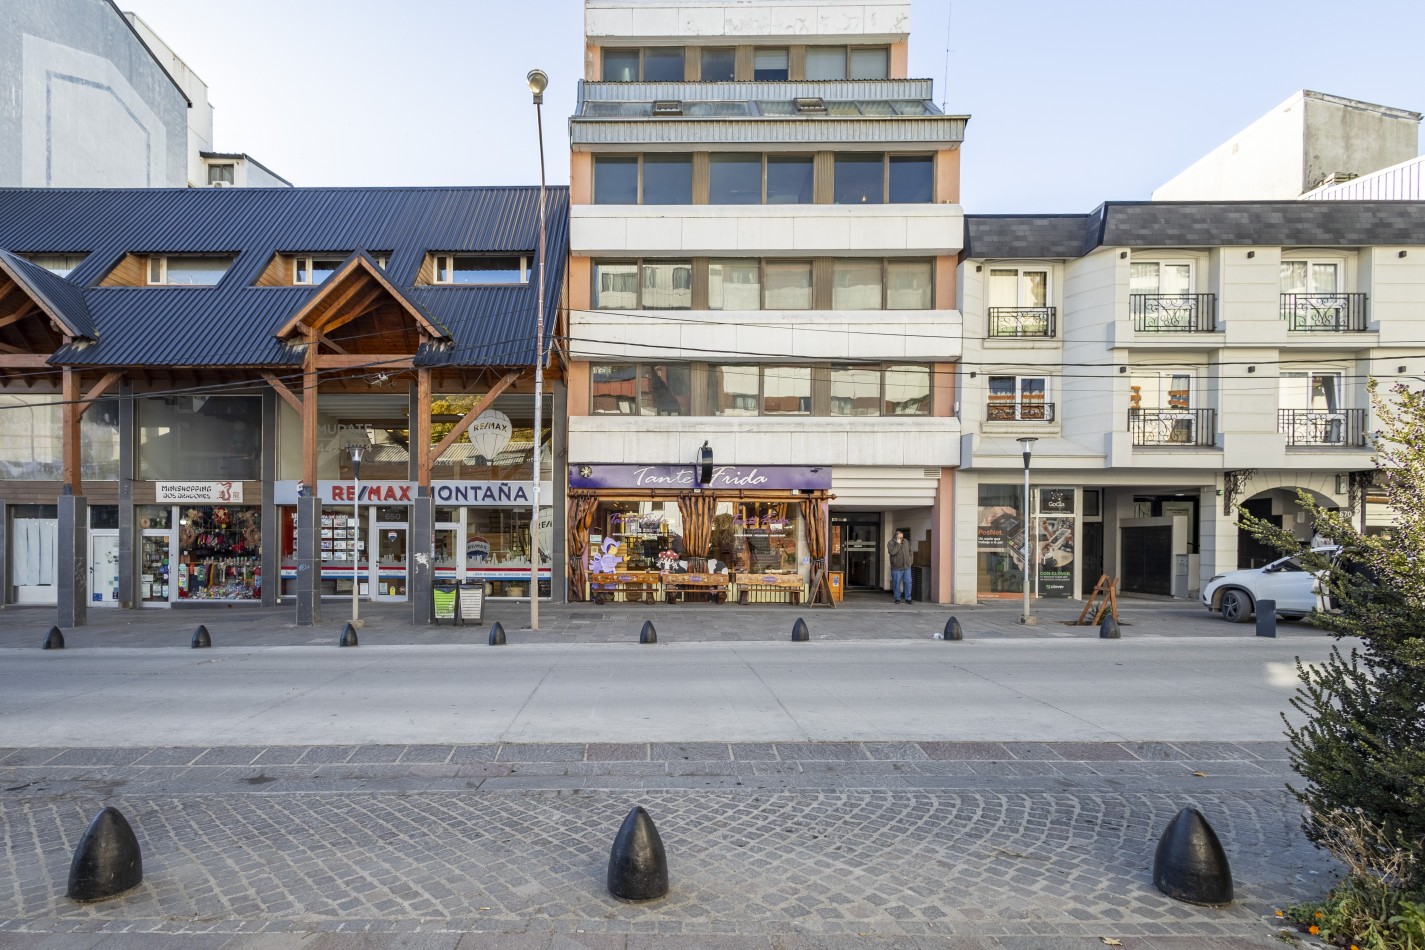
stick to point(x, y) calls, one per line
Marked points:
point(764, 229)
point(1173, 361)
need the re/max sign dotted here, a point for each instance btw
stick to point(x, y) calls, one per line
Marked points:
point(392, 493)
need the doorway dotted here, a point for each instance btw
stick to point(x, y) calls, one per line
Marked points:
point(1093, 556)
point(154, 561)
point(104, 568)
point(391, 565)
point(1147, 560)
point(858, 555)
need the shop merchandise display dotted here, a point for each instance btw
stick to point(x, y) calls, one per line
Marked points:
point(221, 554)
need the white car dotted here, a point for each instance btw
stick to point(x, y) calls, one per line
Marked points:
point(1296, 590)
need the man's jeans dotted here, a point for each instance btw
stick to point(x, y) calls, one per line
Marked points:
point(900, 584)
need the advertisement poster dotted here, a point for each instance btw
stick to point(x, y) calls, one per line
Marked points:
point(1056, 557)
point(999, 526)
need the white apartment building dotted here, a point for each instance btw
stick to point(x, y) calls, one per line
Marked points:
point(1173, 361)
point(764, 232)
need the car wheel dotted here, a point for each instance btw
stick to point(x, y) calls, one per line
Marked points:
point(1236, 607)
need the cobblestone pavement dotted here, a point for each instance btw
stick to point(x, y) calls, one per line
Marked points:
point(915, 844)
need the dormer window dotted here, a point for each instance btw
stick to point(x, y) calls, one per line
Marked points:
point(58, 264)
point(314, 270)
point(221, 174)
point(481, 269)
point(174, 270)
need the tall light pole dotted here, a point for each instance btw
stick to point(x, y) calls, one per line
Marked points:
point(537, 82)
point(1027, 443)
point(356, 450)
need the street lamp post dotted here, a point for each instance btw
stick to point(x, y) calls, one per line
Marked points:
point(1027, 443)
point(537, 82)
point(356, 450)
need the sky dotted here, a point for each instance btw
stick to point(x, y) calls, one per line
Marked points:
point(1071, 102)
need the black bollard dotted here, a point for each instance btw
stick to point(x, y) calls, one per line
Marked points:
point(54, 640)
point(107, 861)
point(497, 635)
point(799, 631)
point(952, 630)
point(1266, 618)
point(348, 636)
point(638, 867)
point(1108, 630)
point(648, 634)
point(201, 638)
point(1190, 864)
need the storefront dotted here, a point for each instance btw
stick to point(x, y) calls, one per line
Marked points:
point(1000, 537)
point(759, 532)
point(198, 543)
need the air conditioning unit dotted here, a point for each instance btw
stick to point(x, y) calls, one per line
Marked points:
point(220, 184)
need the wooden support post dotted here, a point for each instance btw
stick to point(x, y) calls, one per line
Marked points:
point(420, 432)
point(309, 413)
point(72, 473)
point(460, 427)
point(98, 390)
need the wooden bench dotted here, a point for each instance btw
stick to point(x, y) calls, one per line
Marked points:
point(714, 586)
point(627, 586)
point(779, 585)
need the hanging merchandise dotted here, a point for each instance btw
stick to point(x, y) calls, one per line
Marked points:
point(220, 554)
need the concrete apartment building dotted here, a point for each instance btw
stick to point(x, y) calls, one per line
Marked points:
point(1174, 361)
point(764, 227)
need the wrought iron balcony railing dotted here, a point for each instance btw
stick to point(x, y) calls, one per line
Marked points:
point(1022, 321)
point(1032, 411)
point(1173, 426)
point(1173, 313)
point(1325, 313)
point(1343, 427)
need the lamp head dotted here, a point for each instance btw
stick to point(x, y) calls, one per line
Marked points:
point(538, 81)
point(1027, 444)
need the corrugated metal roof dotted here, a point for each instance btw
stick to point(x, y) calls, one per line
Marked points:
point(747, 91)
point(232, 324)
point(63, 300)
point(801, 129)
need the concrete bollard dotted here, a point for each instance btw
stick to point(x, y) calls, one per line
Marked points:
point(1190, 865)
point(1266, 618)
point(201, 638)
point(1108, 630)
point(952, 630)
point(348, 636)
point(497, 635)
point(638, 866)
point(54, 640)
point(648, 634)
point(107, 861)
point(800, 632)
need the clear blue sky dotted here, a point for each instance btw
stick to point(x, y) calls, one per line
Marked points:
point(1071, 103)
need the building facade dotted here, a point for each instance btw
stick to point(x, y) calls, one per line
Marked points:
point(763, 330)
point(183, 373)
point(1173, 361)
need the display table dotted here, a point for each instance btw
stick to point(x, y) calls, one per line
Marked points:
point(626, 586)
point(768, 586)
point(713, 586)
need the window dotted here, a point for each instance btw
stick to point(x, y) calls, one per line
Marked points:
point(789, 179)
point(1310, 277)
point(826, 62)
point(1315, 391)
point(871, 63)
point(875, 179)
point(733, 390)
point(480, 269)
point(909, 285)
point(856, 285)
point(667, 285)
point(1310, 411)
point(1160, 277)
point(855, 391)
point(667, 389)
point(734, 285)
point(615, 180)
point(858, 179)
point(718, 65)
point(788, 285)
point(314, 270)
point(770, 65)
point(174, 271)
point(1018, 287)
point(786, 390)
point(221, 173)
point(199, 437)
point(907, 391)
point(616, 286)
point(667, 180)
point(615, 387)
point(1018, 398)
point(621, 65)
point(734, 179)
point(60, 265)
point(663, 64)
point(911, 179)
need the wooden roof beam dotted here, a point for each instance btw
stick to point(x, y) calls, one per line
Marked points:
point(27, 308)
point(291, 398)
point(104, 385)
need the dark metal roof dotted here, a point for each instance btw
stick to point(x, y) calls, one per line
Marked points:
point(63, 300)
point(232, 324)
point(1198, 224)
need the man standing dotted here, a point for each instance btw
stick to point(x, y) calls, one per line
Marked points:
point(898, 550)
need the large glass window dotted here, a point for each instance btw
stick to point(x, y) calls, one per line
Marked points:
point(188, 271)
point(667, 180)
point(858, 179)
point(909, 285)
point(718, 65)
point(99, 441)
point(770, 65)
point(789, 179)
point(620, 65)
point(912, 179)
point(667, 390)
point(734, 285)
point(733, 390)
point(735, 179)
point(856, 285)
point(616, 286)
point(1017, 398)
point(907, 391)
point(789, 285)
point(1019, 287)
point(615, 180)
point(999, 538)
point(855, 391)
point(615, 388)
point(786, 390)
point(667, 285)
point(663, 64)
point(200, 437)
point(30, 434)
point(220, 553)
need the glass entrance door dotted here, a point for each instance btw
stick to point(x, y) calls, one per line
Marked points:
point(104, 568)
point(153, 569)
point(392, 568)
point(860, 548)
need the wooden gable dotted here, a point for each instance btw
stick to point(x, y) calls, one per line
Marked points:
point(358, 312)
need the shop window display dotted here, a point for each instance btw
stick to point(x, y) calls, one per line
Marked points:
point(999, 538)
point(220, 553)
point(757, 537)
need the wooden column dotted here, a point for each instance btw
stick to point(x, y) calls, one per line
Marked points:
point(309, 413)
point(70, 435)
point(420, 432)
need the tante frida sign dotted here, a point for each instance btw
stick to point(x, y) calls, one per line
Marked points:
point(224, 493)
point(725, 477)
point(404, 493)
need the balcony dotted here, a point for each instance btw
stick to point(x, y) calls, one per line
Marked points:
point(1022, 322)
point(1175, 427)
point(1173, 313)
point(1343, 427)
point(1030, 411)
point(1324, 313)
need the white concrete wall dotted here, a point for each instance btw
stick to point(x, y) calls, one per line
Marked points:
point(751, 21)
point(1094, 399)
point(200, 112)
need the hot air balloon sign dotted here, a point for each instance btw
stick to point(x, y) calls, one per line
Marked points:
point(490, 433)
